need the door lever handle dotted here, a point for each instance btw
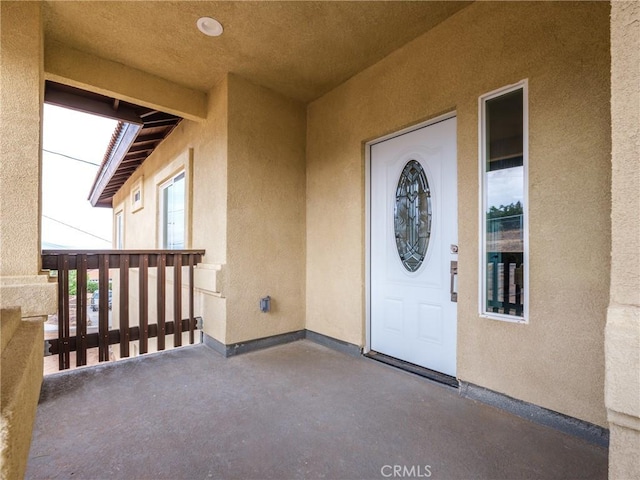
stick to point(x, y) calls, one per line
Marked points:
point(453, 290)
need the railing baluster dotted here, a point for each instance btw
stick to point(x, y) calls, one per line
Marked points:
point(506, 285)
point(143, 303)
point(519, 281)
point(177, 299)
point(162, 261)
point(103, 308)
point(81, 310)
point(191, 307)
point(63, 312)
point(494, 282)
point(124, 305)
point(519, 305)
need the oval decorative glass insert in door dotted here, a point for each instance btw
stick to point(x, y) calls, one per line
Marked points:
point(412, 216)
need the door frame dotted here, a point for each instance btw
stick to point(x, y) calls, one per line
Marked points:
point(367, 203)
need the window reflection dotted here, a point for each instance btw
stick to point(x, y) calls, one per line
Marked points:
point(173, 195)
point(504, 191)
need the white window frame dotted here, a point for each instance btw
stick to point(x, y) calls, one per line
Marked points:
point(161, 219)
point(482, 154)
point(118, 229)
point(181, 163)
point(137, 189)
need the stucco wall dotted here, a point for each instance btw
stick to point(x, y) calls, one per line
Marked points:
point(21, 96)
point(82, 70)
point(23, 293)
point(266, 201)
point(247, 208)
point(204, 145)
point(623, 322)
point(208, 139)
point(22, 368)
point(557, 360)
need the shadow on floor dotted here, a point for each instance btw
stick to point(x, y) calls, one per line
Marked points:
point(294, 411)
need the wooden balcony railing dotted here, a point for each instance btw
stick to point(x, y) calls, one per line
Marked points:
point(504, 282)
point(120, 262)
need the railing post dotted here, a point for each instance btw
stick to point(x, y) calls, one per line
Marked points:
point(124, 305)
point(506, 284)
point(103, 308)
point(143, 307)
point(177, 299)
point(494, 282)
point(63, 312)
point(192, 319)
point(81, 310)
point(162, 261)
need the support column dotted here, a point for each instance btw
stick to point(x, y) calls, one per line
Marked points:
point(23, 291)
point(21, 94)
point(622, 342)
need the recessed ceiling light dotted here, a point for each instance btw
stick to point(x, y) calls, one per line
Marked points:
point(209, 26)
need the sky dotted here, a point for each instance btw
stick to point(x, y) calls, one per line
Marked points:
point(68, 219)
point(505, 186)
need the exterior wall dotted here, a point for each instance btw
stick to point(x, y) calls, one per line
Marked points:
point(21, 100)
point(201, 147)
point(21, 93)
point(557, 359)
point(21, 358)
point(23, 292)
point(82, 70)
point(266, 212)
point(247, 174)
point(623, 321)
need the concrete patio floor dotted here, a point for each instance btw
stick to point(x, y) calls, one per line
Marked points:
point(293, 411)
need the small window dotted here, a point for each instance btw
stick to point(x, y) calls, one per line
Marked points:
point(503, 157)
point(172, 213)
point(136, 195)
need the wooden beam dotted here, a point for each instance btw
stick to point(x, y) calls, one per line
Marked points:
point(150, 137)
point(79, 103)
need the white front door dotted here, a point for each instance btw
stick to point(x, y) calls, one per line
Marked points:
point(414, 238)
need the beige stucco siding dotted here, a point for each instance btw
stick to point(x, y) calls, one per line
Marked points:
point(247, 171)
point(203, 146)
point(556, 360)
point(208, 140)
point(20, 114)
point(622, 345)
point(266, 197)
point(67, 65)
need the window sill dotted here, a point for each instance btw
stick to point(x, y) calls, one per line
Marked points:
point(505, 318)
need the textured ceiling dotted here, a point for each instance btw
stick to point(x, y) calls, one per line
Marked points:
point(301, 49)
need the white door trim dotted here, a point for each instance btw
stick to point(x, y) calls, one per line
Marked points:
point(367, 193)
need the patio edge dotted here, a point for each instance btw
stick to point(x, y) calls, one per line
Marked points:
point(570, 425)
point(252, 345)
point(333, 343)
point(266, 342)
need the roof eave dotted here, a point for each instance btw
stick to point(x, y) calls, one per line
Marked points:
point(124, 136)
